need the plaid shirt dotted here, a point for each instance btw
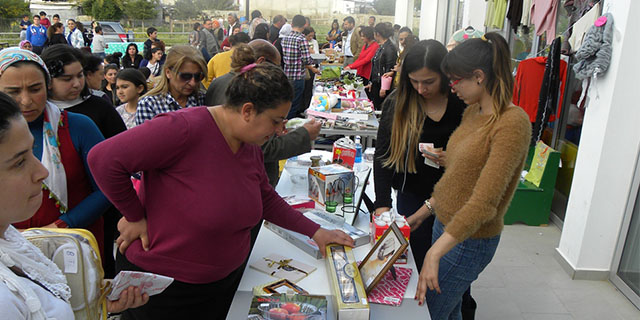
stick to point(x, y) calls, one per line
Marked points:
point(149, 107)
point(296, 55)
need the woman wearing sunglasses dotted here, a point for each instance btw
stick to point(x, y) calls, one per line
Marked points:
point(203, 188)
point(179, 85)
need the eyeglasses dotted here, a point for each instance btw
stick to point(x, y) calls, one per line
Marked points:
point(454, 82)
point(187, 76)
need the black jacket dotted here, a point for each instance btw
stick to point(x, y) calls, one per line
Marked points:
point(383, 61)
point(127, 63)
point(420, 183)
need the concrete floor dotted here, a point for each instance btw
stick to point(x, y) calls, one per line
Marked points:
point(524, 281)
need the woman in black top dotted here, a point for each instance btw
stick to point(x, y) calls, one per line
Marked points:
point(55, 34)
point(383, 61)
point(420, 110)
point(132, 58)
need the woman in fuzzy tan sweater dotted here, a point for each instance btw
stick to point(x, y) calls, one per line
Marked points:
point(483, 161)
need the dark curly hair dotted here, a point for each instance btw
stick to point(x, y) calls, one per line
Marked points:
point(265, 85)
point(57, 56)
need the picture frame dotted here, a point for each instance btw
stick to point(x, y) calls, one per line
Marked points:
point(283, 286)
point(382, 257)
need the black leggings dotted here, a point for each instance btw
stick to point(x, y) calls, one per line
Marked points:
point(184, 300)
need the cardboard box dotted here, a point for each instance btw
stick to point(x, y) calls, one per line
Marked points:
point(329, 183)
point(349, 296)
point(326, 221)
point(344, 154)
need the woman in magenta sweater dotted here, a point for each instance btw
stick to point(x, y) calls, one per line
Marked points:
point(363, 63)
point(203, 188)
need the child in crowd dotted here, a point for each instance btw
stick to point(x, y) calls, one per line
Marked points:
point(25, 44)
point(98, 43)
point(130, 85)
point(152, 33)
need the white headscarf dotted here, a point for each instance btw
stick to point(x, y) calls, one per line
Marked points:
point(285, 30)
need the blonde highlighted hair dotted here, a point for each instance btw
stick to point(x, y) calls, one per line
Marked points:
point(177, 56)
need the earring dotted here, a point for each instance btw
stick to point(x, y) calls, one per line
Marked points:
point(478, 82)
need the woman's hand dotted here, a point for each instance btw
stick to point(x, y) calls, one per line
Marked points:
point(368, 87)
point(129, 298)
point(380, 210)
point(440, 159)
point(389, 74)
point(132, 231)
point(417, 218)
point(428, 278)
point(323, 237)
point(383, 93)
point(347, 68)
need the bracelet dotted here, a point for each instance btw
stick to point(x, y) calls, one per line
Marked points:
point(430, 207)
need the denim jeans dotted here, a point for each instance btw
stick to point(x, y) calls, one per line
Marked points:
point(408, 204)
point(298, 87)
point(458, 269)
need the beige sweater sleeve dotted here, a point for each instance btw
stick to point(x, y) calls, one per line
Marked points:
point(509, 142)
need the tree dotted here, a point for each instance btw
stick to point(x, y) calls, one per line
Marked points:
point(140, 9)
point(186, 9)
point(193, 9)
point(104, 9)
point(11, 9)
point(385, 7)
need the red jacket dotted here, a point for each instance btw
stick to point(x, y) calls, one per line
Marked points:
point(363, 64)
point(526, 90)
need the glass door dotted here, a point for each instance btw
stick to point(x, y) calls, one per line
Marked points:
point(625, 273)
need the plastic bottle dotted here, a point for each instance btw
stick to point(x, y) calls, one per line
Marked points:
point(358, 150)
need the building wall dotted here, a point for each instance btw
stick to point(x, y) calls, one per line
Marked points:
point(312, 8)
point(607, 156)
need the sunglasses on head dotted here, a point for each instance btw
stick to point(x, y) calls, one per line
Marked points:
point(187, 76)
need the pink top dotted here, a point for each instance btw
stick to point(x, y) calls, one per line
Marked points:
point(200, 199)
point(543, 16)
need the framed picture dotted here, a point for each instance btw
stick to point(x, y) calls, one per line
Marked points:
point(284, 286)
point(382, 257)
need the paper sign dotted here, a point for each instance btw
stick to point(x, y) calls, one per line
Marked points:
point(70, 260)
point(148, 283)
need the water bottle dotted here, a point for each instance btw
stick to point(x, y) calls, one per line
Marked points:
point(358, 150)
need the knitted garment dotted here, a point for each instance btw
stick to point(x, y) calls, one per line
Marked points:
point(16, 251)
point(482, 171)
point(594, 54)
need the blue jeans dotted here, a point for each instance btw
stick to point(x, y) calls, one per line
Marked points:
point(458, 269)
point(298, 87)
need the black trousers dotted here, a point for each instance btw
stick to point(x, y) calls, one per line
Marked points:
point(184, 300)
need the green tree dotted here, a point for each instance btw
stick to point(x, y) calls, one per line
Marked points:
point(385, 7)
point(140, 9)
point(104, 9)
point(193, 9)
point(186, 9)
point(12, 9)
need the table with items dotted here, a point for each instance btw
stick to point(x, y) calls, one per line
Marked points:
point(307, 286)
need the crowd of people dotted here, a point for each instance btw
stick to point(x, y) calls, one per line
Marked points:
point(123, 146)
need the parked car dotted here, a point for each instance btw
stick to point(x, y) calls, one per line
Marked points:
point(112, 31)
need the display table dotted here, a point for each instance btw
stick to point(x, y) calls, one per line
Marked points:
point(317, 282)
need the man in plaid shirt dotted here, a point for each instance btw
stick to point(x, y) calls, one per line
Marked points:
point(296, 59)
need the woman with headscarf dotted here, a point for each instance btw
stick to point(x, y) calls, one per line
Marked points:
point(284, 31)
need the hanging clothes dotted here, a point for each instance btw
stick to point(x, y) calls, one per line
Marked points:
point(526, 12)
point(514, 14)
point(543, 16)
point(551, 82)
point(528, 84)
point(581, 17)
point(496, 10)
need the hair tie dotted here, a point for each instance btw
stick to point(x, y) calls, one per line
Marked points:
point(247, 68)
point(485, 39)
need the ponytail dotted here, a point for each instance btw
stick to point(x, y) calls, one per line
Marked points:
point(490, 54)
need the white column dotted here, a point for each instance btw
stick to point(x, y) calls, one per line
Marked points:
point(428, 19)
point(607, 155)
point(404, 13)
